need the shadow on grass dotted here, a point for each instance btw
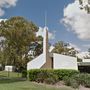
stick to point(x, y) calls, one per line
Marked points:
point(2, 76)
point(10, 80)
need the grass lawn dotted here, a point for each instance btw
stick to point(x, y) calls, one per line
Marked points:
point(26, 85)
point(9, 74)
point(15, 82)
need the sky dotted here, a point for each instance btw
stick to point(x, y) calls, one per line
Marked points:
point(65, 21)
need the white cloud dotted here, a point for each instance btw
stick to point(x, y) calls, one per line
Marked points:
point(40, 32)
point(50, 35)
point(3, 20)
point(51, 48)
point(86, 45)
point(83, 55)
point(74, 46)
point(77, 20)
point(1, 12)
point(6, 4)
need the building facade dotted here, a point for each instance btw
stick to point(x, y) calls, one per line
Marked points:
point(49, 60)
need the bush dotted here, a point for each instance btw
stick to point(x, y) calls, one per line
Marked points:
point(24, 74)
point(50, 81)
point(70, 77)
point(45, 77)
point(48, 75)
point(83, 79)
point(33, 74)
point(79, 79)
point(42, 76)
point(61, 73)
point(69, 81)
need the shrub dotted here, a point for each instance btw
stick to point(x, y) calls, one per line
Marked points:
point(61, 73)
point(70, 81)
point(33, 74)
point(40, 75)
point(73, 83)
point(49, 81)
point(24, 74)
point(78, 79)
point(83, 79)
point(43, 76)
point(66, 81)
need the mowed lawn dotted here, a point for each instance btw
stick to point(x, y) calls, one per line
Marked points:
point(27, 85)
point(15, 82)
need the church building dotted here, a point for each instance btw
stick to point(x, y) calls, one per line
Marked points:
point(49, 60)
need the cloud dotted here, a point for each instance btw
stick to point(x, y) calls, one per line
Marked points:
point(50, 35)
point(74, 46)
point(1, 12)
point(6, 4)
point(86, 45)
point(83, 55)
point(3, 20)
point(51, 48)
point(77, 20)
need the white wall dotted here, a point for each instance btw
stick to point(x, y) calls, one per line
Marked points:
point(36, 63)
point(64, 62)
point(86, 60)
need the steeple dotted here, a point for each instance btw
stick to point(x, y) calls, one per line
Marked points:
point(46, 56)
point(45, 19)
point(45, 46)
point(45, 41)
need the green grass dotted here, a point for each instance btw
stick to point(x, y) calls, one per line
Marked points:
point(9, 74)
point(26, 85)
point(15, 82)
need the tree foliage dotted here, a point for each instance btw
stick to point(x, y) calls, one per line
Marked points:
point(18, 34)
point(62, 48)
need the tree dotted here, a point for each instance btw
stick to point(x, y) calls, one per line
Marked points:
point(85, 6)
point(87, 56)
point(59, 47)
point(39, 46)
point(19, 33)
point(62, 48)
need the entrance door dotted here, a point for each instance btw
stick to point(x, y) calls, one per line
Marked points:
point(52, 62)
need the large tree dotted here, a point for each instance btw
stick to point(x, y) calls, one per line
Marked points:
point(62, 48)
point(18, 34)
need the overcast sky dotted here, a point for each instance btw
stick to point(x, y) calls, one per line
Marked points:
point(65, 20)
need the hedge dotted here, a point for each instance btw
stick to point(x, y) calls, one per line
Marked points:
point(79, 79)
point(24, 74)
point(44, 74)
point(51, 76)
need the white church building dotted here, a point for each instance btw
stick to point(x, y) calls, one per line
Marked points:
point(49, 60)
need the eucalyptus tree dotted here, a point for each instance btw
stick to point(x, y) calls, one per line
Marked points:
point(18, 34)
point(63, 48)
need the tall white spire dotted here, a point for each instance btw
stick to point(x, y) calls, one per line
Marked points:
point(45, 43)
point(45, 19)
point(46, 56)
point(45, 38)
